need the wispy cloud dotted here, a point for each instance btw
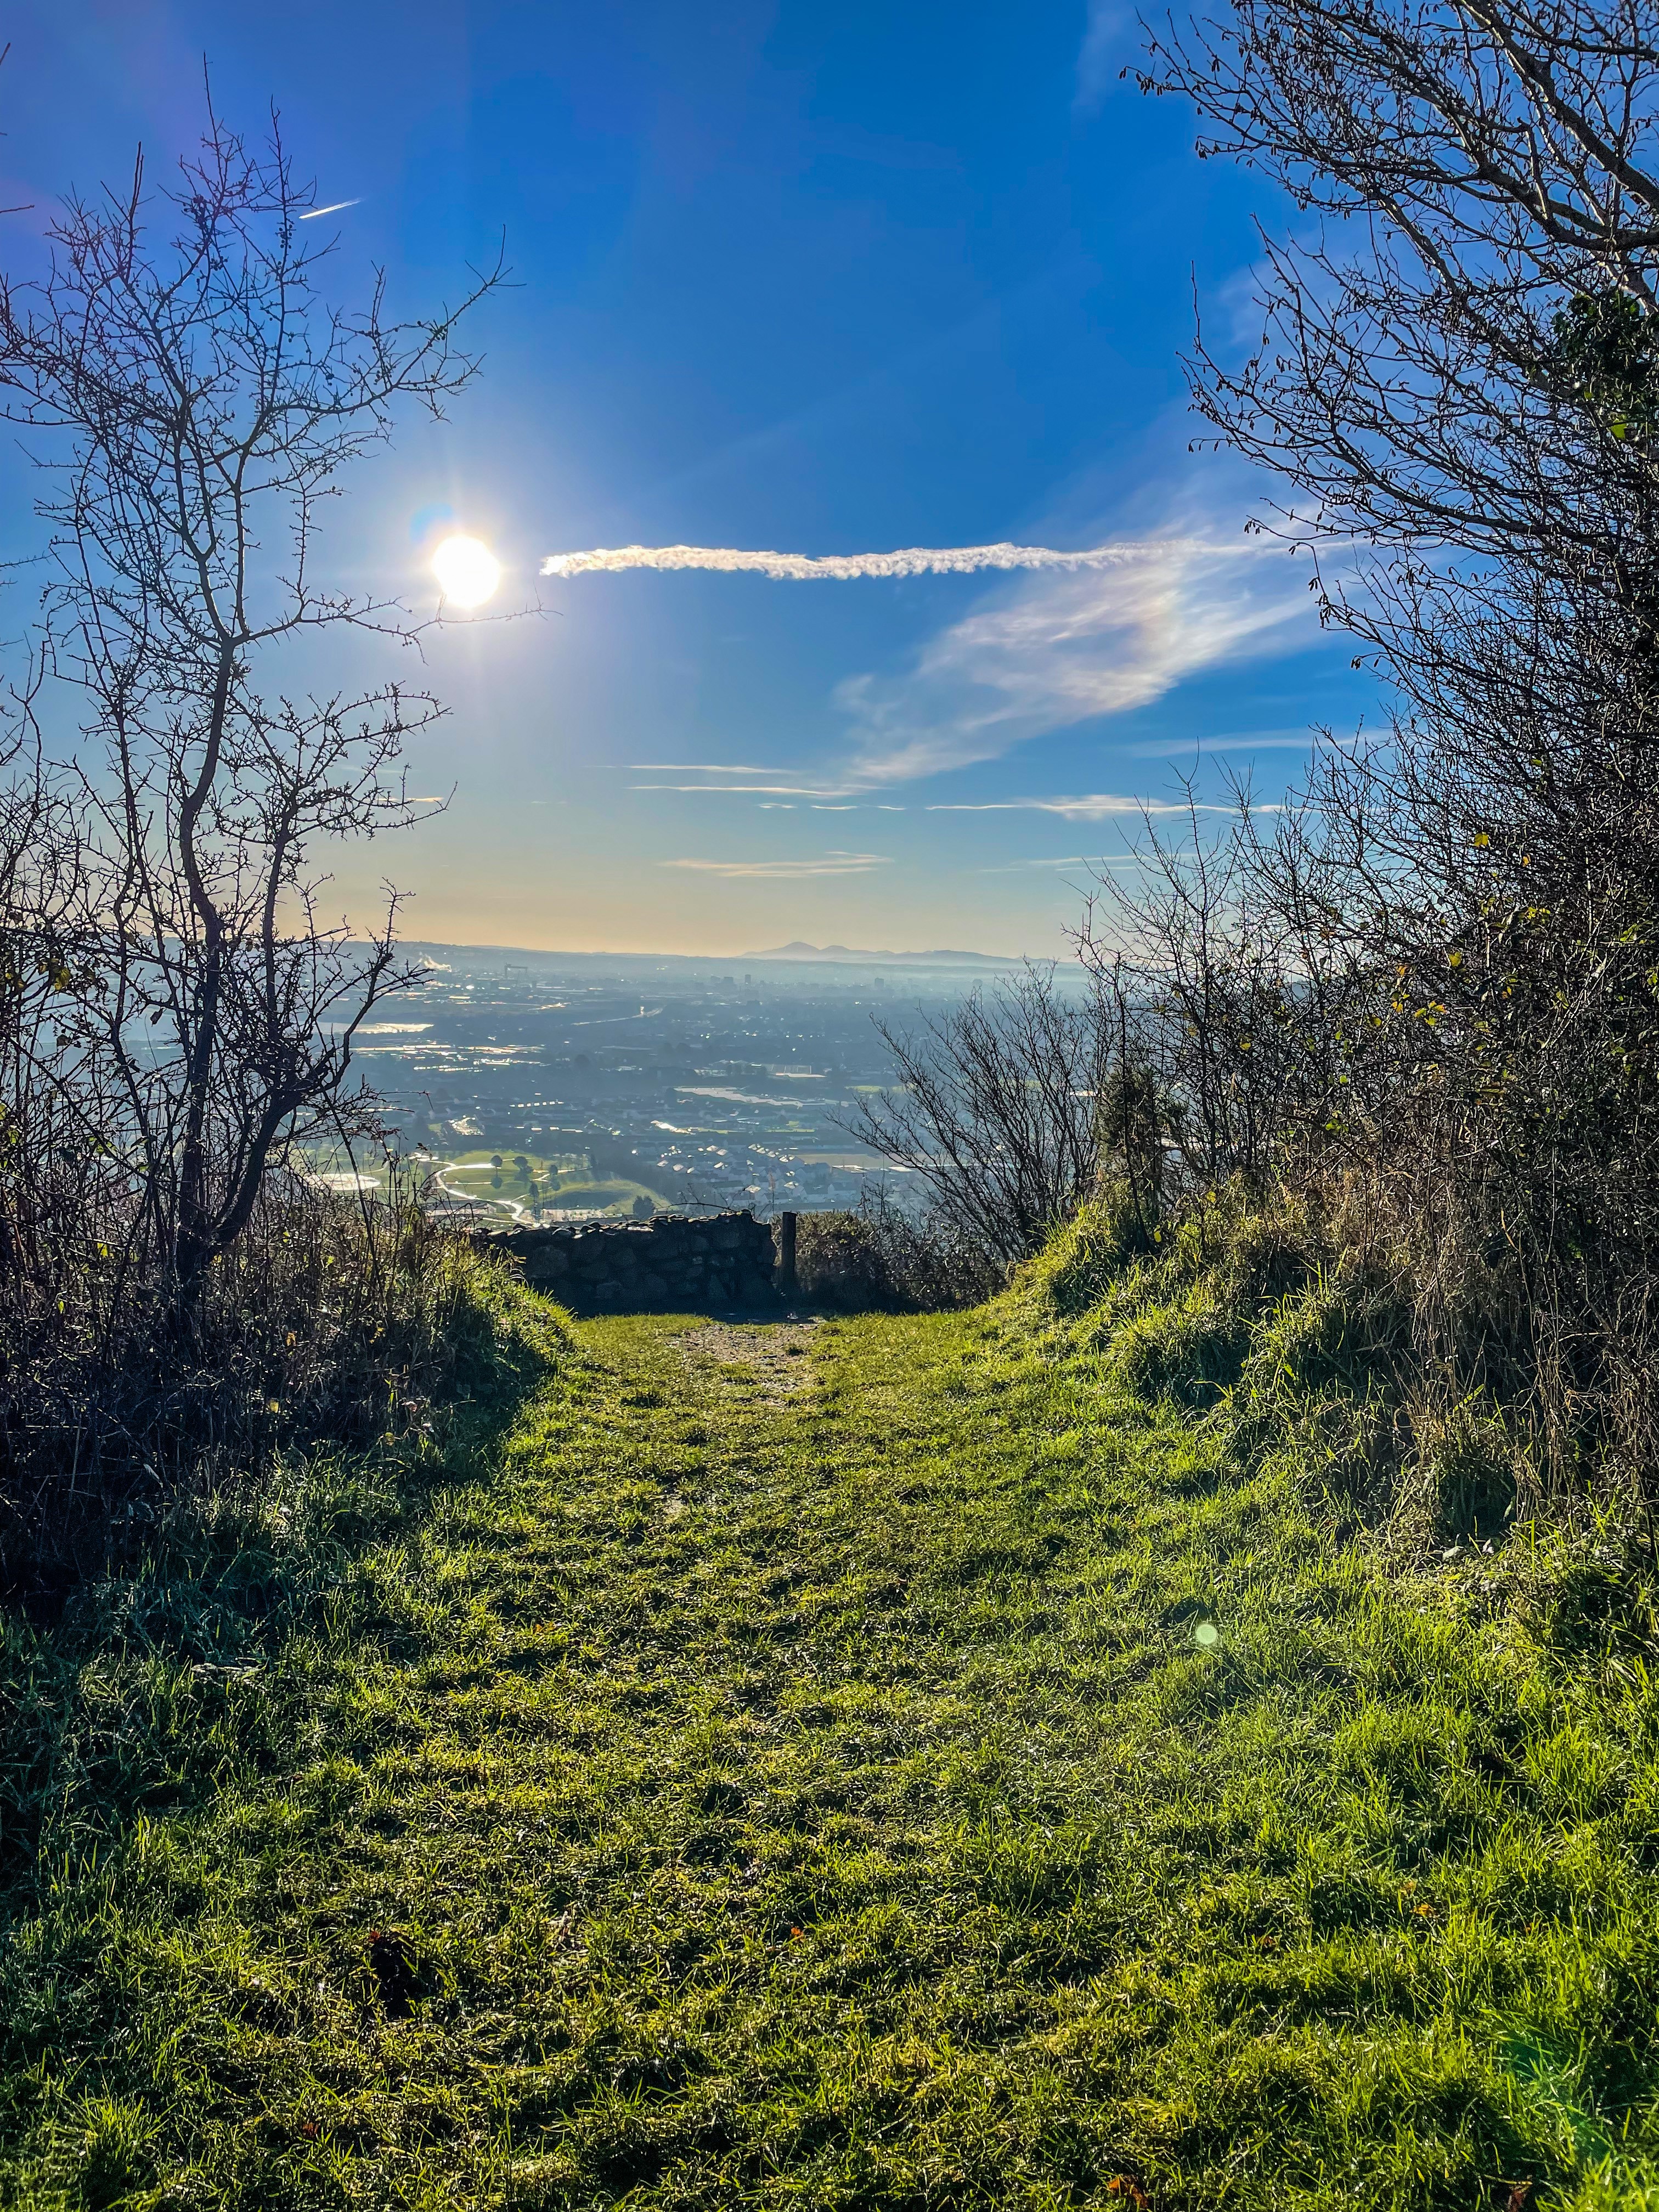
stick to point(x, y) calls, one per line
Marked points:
point(1094, 806)
point(1057, 650)
point(822, 797)
point(840, 568)
point(1106, 46)
point(1020, 867)
point(777, 790)
point(826, 864)
point(718, 776)
point(1228, 741)
point(1092, 633)
point(1076, 859)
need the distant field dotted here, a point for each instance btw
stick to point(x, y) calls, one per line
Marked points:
point(615, 1190)
point(554, 1182)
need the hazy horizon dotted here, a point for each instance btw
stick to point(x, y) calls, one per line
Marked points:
point(798, 952)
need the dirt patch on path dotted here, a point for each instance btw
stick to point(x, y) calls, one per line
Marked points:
point(771, 1355)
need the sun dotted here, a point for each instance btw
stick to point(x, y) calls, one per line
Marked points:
point(466, 570)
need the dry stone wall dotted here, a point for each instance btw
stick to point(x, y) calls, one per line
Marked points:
point(674, 1263)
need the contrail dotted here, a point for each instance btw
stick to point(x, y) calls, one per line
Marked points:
point(840, 568)
point(333, 208)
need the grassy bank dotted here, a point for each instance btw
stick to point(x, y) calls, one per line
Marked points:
point(903, 1762)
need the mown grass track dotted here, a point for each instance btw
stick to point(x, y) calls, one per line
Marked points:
point(946, 1782)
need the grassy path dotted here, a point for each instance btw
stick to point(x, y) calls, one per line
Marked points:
point(874, 1766)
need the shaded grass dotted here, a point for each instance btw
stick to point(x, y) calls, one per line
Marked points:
point(961, 1783)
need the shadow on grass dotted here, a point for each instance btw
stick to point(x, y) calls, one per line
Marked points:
point(149, 1688)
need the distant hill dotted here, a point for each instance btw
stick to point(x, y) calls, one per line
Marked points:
point(941, 958)
point(476, 955)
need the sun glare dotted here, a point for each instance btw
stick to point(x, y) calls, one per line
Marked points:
point(467, 571)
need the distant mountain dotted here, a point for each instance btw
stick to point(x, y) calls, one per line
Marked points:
point(473, 956)
point(941, 958)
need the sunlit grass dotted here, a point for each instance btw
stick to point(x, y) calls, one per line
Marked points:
point(514, 1184)
point(960, 1784)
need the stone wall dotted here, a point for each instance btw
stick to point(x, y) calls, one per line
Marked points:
point(674, 1263)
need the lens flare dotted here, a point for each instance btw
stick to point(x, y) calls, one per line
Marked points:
point(466, 570)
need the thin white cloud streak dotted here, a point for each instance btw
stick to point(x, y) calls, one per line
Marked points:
point(1092, 861)
point(1233, 741)
point(821, 787)
point(841, 568)
point(334, 207)
point(1115, 629)
point(1095, 806)
point(824, 799)
point(828, 864)
point(1021, 868)
point(775, 790)
point(1054, 651)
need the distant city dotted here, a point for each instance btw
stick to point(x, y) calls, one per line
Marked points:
point(549, 1087)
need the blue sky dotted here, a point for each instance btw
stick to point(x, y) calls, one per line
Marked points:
point(821, 279)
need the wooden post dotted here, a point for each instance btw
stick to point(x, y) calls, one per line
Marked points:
point(787, 1283)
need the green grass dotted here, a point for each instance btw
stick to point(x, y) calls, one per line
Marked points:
point(611, 1192)
point(963, 1782)
point(474, 1174)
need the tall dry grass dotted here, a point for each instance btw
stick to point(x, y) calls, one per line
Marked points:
point(330, 1321)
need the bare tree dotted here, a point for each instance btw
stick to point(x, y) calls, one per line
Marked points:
point(1459, 372)
point(50, 1110)
point(996, 1110)
point(1451, 941)
point(1444, 352)
point(193, 399)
